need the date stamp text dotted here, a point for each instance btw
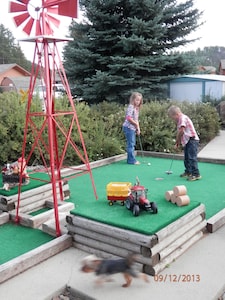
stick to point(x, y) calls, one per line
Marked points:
point(177, 278)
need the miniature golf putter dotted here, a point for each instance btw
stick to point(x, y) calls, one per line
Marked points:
point(169, 171)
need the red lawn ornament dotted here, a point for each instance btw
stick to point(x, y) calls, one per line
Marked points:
point(37, 17)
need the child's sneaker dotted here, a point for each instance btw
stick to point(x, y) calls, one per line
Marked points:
point(194, 177)
point(185, 175)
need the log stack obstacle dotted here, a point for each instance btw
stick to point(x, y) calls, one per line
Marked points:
point(34, 200)
point(155, 251)
point(178, 195)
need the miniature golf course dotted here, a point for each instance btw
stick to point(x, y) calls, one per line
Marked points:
point(210, 190)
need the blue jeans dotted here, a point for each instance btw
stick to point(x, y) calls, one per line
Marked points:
point(190, 157)
point(131, 141)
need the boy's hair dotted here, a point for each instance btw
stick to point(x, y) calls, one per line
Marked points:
point(134, 95)
point(173, 110)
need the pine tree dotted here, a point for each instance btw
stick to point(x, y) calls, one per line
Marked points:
point(126, 45)
point(10, 51)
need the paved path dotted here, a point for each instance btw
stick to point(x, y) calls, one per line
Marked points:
point(202, 269)
point(215, 149)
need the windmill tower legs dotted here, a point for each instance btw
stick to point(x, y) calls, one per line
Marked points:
point(47, 126)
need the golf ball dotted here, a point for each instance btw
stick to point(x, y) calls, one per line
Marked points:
point(149, 164)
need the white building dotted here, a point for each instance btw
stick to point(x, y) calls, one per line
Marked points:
point(195, 88)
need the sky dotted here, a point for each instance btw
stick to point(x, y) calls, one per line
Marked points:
point(210, 34)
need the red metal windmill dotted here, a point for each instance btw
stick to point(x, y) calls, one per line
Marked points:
point(38, 18)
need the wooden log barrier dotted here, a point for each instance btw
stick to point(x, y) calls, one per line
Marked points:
point(154, 270)
point(168, 230)
point(181, 240)
point(34, 257)
point(49, 226)
point(33, 195)
point(38, 220)
point(4, 217)
point(174, 235)
point(120, 233)
point(129, 246)
point(155, 252)
point(216, 221)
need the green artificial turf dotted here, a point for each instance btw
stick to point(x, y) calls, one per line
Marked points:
point(17, 240)
point(210, 190)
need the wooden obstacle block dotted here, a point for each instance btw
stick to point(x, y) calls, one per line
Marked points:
point(215, 222)
point(182, 200)
point(168, 195)
point(173, 198)
point(178, 195)
point(4, 218)
point(38, 220)
point(180, 190)
point(33, 199)
point(49, 226)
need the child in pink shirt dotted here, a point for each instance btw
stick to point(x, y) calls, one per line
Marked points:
point(188, 138)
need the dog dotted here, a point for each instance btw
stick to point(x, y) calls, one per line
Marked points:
point(104, 268)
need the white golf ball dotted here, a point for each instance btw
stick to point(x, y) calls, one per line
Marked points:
point(149, 164)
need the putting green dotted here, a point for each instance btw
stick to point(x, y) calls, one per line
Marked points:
point(17, 240)
point(209, 190)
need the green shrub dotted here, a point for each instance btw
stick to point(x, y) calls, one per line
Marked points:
point(101, 127)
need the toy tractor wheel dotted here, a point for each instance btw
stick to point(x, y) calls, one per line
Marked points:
point(110, 203)
point(154, 208)
point(129, 204)
point(136, 210)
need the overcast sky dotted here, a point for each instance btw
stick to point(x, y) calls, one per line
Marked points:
point(211, 33)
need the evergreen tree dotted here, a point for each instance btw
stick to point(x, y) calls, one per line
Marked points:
point(10, 51)
point(127, 45)
point(208, 56)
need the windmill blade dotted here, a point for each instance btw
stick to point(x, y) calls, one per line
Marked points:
point(38, 28)
point(21, 18)
point(53, 10)
point(47, 30)
point(28, 27)
point(53, 20)
point(17, 7)
point(68, 8)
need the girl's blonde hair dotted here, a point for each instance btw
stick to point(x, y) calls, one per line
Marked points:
point(134, 95)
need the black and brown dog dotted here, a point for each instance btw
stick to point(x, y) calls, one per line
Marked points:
point(107, 267)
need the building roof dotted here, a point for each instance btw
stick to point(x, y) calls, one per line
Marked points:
point(6, 67)
point(203, 77)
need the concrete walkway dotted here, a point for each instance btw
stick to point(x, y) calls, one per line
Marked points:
point(198, 274)
point(215, 149)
